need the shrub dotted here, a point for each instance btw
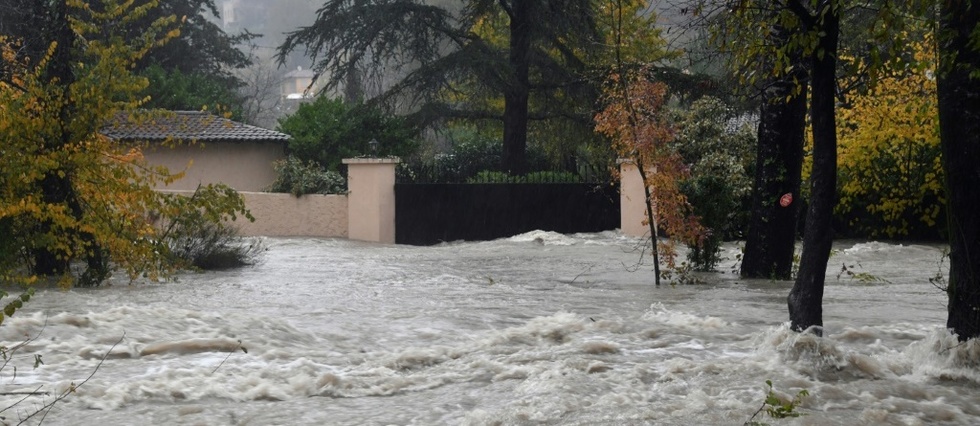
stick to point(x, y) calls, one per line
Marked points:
point(489, 176)
point(552, 177)
point(206, 245)
point(298, 178)
point(719, 151)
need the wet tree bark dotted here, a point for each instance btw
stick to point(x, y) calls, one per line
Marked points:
point(516, 92)
point(959, 129)
point(56, 184)
point(806, 298)
point(771, 238)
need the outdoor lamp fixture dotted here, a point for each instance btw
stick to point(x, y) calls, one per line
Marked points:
point(373, 144)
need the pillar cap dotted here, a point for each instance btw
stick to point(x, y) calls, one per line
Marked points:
point(389, 160)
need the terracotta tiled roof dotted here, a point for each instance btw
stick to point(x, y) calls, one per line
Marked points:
point(187, 126)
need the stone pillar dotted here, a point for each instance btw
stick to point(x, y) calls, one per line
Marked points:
point(371, 199)
point(632, 207)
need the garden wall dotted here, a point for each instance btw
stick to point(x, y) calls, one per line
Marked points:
point(285, 215)
point(429, 213)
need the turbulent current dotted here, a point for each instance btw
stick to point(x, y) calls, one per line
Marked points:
point(540, 328)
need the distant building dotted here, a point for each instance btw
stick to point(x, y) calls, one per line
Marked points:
point(238, 15)
point(297, 84)
point(212, 149)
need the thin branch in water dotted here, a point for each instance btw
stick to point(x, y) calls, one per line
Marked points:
point(229, 356)
point(9, 352)
point(36, 391)
point(29, 393)
point(44, 410)
point(582, 273)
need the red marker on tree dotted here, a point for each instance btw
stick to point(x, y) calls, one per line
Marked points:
point(786, 199)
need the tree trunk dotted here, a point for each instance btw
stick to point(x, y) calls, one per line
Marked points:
point(516, 92)
point(771, 238)
point(55, 186)
point(806, 298)
point(651, 218)
point(959, 130)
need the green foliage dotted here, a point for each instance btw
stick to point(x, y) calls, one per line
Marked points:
point(176, 91)
point(297, 177)
point(553, 177)
point(194, 70)
point(328, 130)
point(720, 156)
point(14, 305)
point(471, 151)
point(527, 68)
point(489, 176)
point(199, 243)
point(777, 408)
point(202, 49)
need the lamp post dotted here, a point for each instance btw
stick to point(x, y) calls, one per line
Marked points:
point(373, 145)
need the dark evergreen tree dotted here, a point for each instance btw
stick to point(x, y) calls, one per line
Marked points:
point(202, 49)
point(432, 51)
point(203, 55)
point(194, 70)
point(958, 87)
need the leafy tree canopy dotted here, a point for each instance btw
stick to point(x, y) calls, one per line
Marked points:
point(891, 178)
point(195, 70)
point(637, 122)
point(173, 90)
point(511, 61)
point(328, 130)
point(202, 48)
point(67, 192)
point(191, 71)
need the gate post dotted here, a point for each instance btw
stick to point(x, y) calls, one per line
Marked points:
point(371, 199)
point(632, 201)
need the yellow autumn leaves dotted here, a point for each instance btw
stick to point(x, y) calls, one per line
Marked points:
point(890, 172)
point(65, 188)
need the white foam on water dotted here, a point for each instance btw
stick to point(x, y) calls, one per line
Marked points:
point(547, 238)
point(349, 333)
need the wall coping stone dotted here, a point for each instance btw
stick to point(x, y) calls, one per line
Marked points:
point(390, 160)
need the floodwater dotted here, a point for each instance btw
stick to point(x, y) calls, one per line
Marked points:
point(536, 329)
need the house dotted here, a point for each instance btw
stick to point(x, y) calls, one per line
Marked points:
point(298, 85)
point(209, 148)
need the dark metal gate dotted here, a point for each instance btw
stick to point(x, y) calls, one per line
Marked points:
point(429, 213)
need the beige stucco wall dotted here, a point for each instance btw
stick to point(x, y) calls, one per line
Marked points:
point(367, 213)
point(284, 215)
point(371, 188)
point(244, 166)
point(632, 208)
